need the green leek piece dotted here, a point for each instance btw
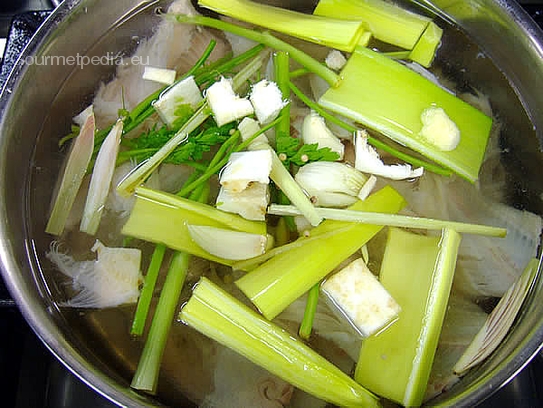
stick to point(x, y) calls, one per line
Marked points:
point(279, 281)
point(417, 271)
point(426, 47)
point(385, 20)
point(388, 97)
point(218, 315)
point(330, 32)
point(162, 218)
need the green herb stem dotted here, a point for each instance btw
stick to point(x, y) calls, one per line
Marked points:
point(309, 314)
point(144, 302)
point(393, 220)
point(146, 375)
point(281, 65)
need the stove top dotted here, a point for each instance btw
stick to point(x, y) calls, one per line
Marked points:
point(31, 377)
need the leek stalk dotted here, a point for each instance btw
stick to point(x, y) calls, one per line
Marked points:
point(418, 272)
point(392, 220)
point(386, 21)
point(162, 218)
point(218, 315)
point(389, 23)
point(264, 38)
point(373, 83)
point(374, 142)
point(330, 32)
point(279, 281)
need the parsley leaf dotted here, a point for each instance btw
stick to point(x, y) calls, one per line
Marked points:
point(291, 151)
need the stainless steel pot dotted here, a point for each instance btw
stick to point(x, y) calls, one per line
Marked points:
point(37, 100)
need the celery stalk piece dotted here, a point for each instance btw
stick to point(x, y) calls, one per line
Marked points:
point(102, 173)
point(76, 168)
point(218, 315)
point(388, 97)
point(163, 218)
point(426, 47)
point(392, 220)
point(385, 20)
point(278, 282)
point(330, 32)
point(417, 271)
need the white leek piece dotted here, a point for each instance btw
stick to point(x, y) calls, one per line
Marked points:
point(267, 101)
point(76, 168)
point(111, 280)
point(185, 92)
point(102, 175)
point(499, 321)
point(228, 244)
point(335, 60)
point(361, 298)
point(331, 184)
point(246, 167)
point(225, 104)
point(314, 130)
point(251, 203)
point(218, 315)
point(160, 75)
point(368, 161)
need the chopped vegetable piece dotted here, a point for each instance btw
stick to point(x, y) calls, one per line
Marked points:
point(161, 75)
point(361, 298)
point(499, 321)
point(335, 60)
point(390, 98)
point(284, 180)
point(331, 184)
point(417, 271)
point(438, 129)
point(367, 160)
point(251, 203)
point(162, 218)
point(426, 47)
point(248, 127)
point(267, 101)
point(314, 130)
point(171, 102)
point(111, 280)
point(330, 32)
point(393, 220)
point(223, 318)
point(225, 104)
point(279, 281)
point(102, 174)
point(309, 313)
point(386, 21)
point(228, 244)
point(76, 168)
point(246, 167)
